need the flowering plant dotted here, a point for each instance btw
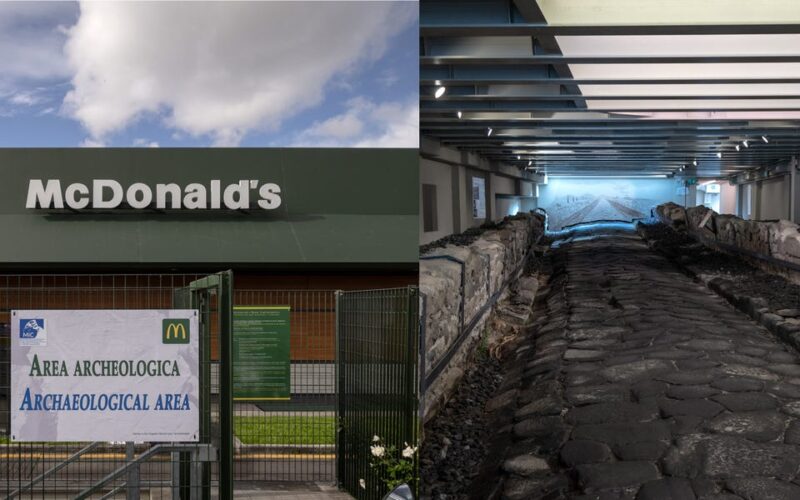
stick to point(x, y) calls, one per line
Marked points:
point(393, 466)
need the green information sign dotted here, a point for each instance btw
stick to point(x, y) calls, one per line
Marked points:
point(261, 369)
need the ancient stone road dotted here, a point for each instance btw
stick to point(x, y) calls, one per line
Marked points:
point(644, 384)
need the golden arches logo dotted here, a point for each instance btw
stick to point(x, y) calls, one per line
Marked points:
point(175, 331)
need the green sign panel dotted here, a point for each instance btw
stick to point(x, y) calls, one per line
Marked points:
point(261, 367)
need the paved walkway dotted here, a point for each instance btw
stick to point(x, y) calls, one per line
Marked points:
point(290, 491)
point(647, 385)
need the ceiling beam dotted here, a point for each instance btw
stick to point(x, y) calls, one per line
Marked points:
point(542, 29)
point(538, 60)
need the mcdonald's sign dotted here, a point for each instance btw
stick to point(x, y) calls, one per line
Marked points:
point(175, 331)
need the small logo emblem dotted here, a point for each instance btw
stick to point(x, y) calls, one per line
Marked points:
point(32, 332)
point(175, 331)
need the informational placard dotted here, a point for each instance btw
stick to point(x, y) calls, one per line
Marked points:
point(261, 363)
point(478, 198)
point(105, 375)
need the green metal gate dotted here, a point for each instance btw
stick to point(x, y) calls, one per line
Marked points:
point(126, 470)
point(293, 440)
point(378, 382)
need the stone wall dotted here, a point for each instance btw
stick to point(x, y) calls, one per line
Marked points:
point(489, 264)
point(779, 240)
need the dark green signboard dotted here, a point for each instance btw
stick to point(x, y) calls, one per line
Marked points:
point(261, 366)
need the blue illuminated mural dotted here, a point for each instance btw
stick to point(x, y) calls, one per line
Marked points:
point(572, 200)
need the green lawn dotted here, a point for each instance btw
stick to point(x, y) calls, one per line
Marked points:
point(275, 430)
point(285, 430)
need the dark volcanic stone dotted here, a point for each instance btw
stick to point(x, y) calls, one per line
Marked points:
point(596, 394)
point(610, 412)
point(537, 426)
point(692, 407)
point(755, 426)
point(549, 405)
point(684, 424)
point(616, 434)
point(737, 384)
point(746, 401)
point(636, 370)
point(688, 377)
point(538, 487)
point(669, 488)
point(648, 388)
point(645, 450)
point(792, 435)
point(579, 451)
point(736, 457)
point(691, 391)
point(763, 488)
point(784, 390)
point(615, 475)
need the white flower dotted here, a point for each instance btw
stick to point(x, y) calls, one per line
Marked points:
point(375, 438)
point(377, 450)
point(363, 484)
point(409, 451)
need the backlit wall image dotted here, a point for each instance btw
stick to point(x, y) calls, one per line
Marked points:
point(572, 200)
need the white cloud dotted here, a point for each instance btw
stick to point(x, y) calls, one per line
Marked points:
point(92, 143)
point(31, 41)
point(367, 125)
point(344, 126)
point(25, 98)
point(144, 143)
point(220, 69)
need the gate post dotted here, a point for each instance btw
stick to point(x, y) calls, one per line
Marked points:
point(337, 386)
point(133, 473)
point(226, 386)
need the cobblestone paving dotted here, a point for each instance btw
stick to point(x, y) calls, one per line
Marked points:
point(646, 385)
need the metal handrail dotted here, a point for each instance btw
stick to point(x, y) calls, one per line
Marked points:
point(113, 493)
point(208, 456)
point(44, 475)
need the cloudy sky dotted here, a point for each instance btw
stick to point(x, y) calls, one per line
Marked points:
point(190, 74)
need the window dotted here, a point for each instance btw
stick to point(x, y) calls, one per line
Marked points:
point(430, 221)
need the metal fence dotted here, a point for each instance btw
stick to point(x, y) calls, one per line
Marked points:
point(120, 470)
point(378, 347)
point(293, 440)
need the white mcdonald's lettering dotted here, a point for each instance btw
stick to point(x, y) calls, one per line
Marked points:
point(110, 194)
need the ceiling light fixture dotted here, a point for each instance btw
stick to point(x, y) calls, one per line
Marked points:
point(744, 142)
point(694, 163)
point(489, 131)
point(439, 92)
point(764, 138)
point(519, 157)
point(719, 154)
point(737, 147)
point(530, 162)
point(458, 114)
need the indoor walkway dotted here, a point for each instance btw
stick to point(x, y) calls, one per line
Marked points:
point(644, 384)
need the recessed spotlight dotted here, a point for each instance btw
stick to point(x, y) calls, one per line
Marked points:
point(744, 142)
point(530, 162)
point(489, 131)
point(694, 163)
point(764, 138)
point(719, 155)
point(439, 92)
point(737, 147)
point(459, 114)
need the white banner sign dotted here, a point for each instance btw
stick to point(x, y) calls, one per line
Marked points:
point(105, 375)
point(478, 198)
